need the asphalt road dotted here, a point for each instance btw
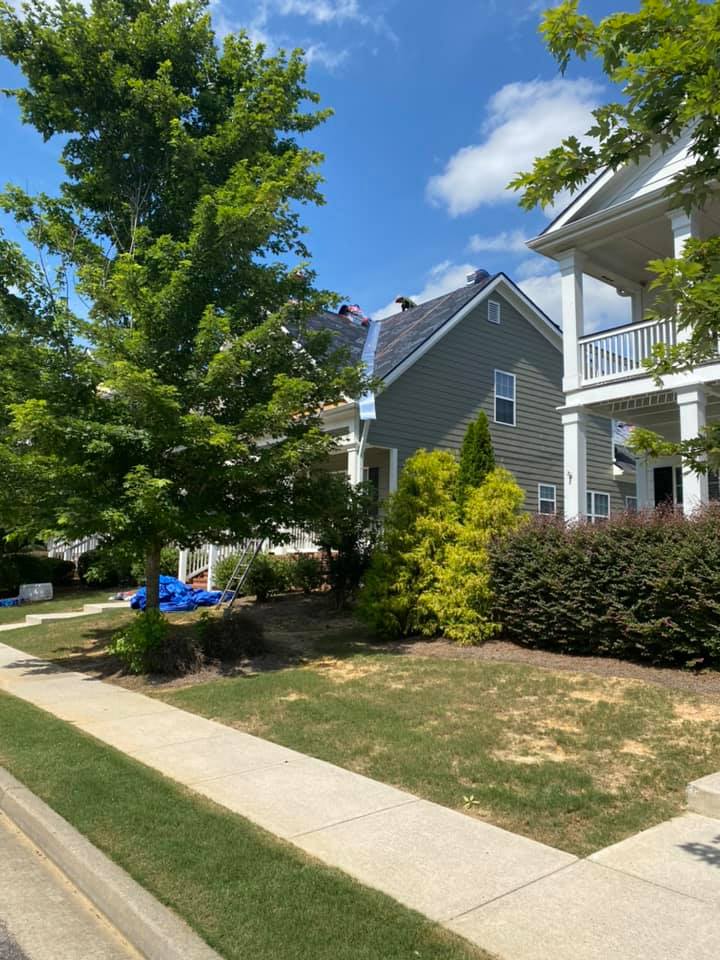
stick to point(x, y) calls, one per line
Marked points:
point(9, 950)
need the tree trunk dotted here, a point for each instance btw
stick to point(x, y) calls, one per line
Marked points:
point(152, 577)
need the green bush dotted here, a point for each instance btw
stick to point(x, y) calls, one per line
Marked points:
point(306, 574)
point(224, 569)
point(269, 575)
point(346, 533)
point(421, 519)
point(230, 637)
point(477, 457)
point(103, 567)
point(17, 568)
point(168, 565)
point(643, 587)
point(139, 644)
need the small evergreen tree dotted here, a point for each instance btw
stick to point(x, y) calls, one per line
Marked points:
point(477, 458)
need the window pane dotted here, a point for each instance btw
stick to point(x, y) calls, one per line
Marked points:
point(547, 492)
point(602, 505)
point(504, 385)
point(589, 506)
point(631, 504)
point(547, 506)
point(713, 485)
point(504, 411)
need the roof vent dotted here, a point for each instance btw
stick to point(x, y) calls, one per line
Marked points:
point(477, 276)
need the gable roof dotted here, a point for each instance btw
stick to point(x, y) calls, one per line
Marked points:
point(404, 337)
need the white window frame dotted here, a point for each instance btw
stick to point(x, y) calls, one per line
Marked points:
point(541, 499)
point(592, 515)
point(497, 311)
point(512, 399)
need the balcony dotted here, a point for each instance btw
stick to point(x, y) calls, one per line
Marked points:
point(621, 353)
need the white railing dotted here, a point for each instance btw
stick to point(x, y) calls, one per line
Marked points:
point(619, 353)
point(71, 551)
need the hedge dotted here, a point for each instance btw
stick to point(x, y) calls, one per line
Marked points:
point(643, 587)
point(17, 568)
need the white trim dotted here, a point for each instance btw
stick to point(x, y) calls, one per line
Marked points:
point(394, 472)
point(540, 499)
point(497, 311)
point(496, 397)
point(524, 304)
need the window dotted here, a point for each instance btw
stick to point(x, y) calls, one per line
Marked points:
point(493, 311)
point(713, 485)
point(372, 475)
point(598, 506)
point(547, 499)
point(631, 504)
point(504, 398)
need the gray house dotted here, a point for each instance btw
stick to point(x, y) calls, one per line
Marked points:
point(485, 346)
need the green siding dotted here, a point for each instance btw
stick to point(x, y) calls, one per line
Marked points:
point(431, 404)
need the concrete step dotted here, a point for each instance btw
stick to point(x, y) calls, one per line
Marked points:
point(703, 796)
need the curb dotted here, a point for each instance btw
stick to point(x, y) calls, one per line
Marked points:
point(152, 929)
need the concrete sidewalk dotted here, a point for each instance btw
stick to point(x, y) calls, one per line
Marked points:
point(654, 895)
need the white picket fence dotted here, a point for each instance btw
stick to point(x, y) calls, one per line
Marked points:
point(71, 551)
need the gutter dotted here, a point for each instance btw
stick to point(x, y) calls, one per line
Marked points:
point(366, 403)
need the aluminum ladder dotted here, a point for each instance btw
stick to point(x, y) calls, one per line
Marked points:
point(250, 550)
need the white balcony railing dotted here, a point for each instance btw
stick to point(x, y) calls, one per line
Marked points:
point(620, 353)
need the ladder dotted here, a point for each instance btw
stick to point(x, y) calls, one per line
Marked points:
point(246, 558)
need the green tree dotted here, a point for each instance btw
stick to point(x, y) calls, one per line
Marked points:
point(663, 60)
point(477, 457)
point(160, 382)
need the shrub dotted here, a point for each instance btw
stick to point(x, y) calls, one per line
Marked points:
point(306, 574)
point(477, 458)
point(346, 533)
point(224, 569)
point(461, 597)
point(269, 575)
point(168, 564)
point(641, 587)
point(17, 568)
point(421, 519)
point(139, 644)
point(104, 567)
point(230, 637)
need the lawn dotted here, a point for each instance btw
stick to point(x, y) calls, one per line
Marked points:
point(63, 602)
point(246, 894)
point(574, 760)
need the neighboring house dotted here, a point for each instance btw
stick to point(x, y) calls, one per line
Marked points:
point(484, 347)
point(610, 231)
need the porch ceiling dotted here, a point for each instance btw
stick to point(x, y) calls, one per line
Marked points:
point(657, 411)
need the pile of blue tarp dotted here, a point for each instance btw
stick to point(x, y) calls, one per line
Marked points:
point(10, 602)
point(176, 597)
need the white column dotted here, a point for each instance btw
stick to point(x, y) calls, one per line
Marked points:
point(642, 483)
point(183, 565)
point(573, 316)
point(684, 226)
point(691, 401)
point(393, 478)
point(212, 562)
point(574, 441)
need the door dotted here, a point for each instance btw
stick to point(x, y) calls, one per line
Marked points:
point(664, 483)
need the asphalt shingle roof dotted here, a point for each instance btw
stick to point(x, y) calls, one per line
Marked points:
point(346, 334)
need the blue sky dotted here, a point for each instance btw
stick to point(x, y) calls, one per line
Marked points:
point(436, 106)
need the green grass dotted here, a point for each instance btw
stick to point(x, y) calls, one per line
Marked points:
point(71, 600)
point(246, 893)
point(573, 760)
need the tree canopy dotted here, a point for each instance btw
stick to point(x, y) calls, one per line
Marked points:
point(159, 381)
point(662, 59)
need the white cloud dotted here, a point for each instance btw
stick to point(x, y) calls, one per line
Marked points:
point(509, 241)
point(603, 307)
point(524, 120)
point(326, 56)
point(322, 11)
point(440, 279)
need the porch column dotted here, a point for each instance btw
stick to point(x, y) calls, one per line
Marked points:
point(183, 565)
point(212, 562)
point(575, 485)
point(684, 227)
point(573, 316)
point(642, 483)
point(691, 402)
point(393, 477)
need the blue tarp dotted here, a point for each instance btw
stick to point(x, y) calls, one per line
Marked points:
point(176, 597)
point(10, 602)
